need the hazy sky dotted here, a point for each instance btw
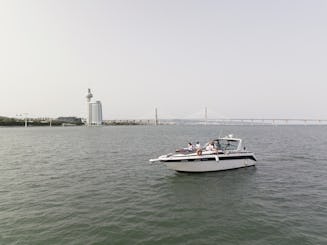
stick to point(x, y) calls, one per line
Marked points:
point(240, 58)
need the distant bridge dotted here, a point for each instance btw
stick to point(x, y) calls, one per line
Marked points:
point(271, 120)
point(246, 121)
point(219, 121)
point(196, 118)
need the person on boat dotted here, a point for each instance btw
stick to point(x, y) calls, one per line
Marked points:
point(198, 148)
point(210, 147)
point(190, 147)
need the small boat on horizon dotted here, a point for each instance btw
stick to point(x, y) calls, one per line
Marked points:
point(220, 154)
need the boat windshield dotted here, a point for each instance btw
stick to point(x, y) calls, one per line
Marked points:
point(227, 145)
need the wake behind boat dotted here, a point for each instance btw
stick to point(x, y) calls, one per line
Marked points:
point(219, 154)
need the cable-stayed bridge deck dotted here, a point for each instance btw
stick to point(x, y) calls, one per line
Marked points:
point(249, 121)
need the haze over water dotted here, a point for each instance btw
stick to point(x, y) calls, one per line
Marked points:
point(95, 186)
point(241, 59)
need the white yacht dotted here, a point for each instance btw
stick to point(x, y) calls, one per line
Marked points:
point(219, 154)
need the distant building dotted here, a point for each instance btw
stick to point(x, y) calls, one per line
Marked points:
point(94, 111)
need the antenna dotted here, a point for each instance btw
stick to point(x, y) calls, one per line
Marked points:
point(156, 117)
point(205, 116)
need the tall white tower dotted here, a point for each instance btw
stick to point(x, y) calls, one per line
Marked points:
point(93, 111)
point(89, 96)
point(96, 111)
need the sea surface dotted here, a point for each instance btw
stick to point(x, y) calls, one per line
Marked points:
point(78, 185)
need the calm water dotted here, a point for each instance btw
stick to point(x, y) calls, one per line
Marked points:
point(96, 186)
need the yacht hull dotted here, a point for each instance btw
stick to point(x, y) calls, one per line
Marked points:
point(209, 166)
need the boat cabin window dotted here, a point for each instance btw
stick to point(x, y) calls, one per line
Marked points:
point(226, 145)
